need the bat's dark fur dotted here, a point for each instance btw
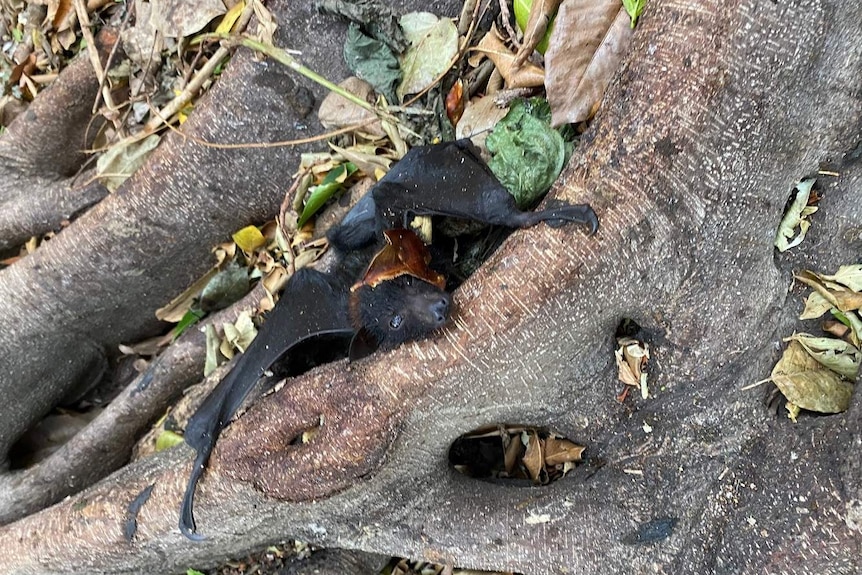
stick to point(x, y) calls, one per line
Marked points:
point(446, 180)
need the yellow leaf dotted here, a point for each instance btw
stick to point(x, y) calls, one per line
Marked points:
point(230, 18)
point(249, 239)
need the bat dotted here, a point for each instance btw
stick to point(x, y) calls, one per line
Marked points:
point(397, 297)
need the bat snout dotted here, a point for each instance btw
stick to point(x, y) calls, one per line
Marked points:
point(439, 309)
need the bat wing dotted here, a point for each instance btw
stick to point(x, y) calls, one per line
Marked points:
point(450, 179)
point(311, 307)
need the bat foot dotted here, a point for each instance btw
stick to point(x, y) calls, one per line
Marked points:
point(564, 213)
point(189, 532)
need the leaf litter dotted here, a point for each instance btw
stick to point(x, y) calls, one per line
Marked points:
point(818, 373)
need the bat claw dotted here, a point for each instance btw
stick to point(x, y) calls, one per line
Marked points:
point(565, 213)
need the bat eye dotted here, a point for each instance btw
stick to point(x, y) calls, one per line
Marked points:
point(395, 322)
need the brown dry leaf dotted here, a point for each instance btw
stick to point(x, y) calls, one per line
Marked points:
point(559, 451)
point(541, 13)
point(513, 454)
point(141, 42)
point(632, 357)
point(480, 115)
point(455, 102)
point(364, 158)
point(403, 254)
point(589, 40)
point(338, 112)
point(835, 328)
point(809, 385)
point(533, 460)
point(525, 76)
point(845, 300)
point(58, 14)
point(182, 18)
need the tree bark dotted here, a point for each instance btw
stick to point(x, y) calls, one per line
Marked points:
point(719, 109)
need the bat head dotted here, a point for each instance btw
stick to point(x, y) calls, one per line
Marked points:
point(399, 310)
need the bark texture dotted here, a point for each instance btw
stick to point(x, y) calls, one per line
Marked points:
point(720, 108)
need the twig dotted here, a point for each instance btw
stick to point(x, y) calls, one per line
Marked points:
point(93, 53)
point(505, 17)
point(123, 24)
point(202, 76)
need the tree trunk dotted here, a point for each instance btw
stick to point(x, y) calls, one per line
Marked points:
point(719, 109)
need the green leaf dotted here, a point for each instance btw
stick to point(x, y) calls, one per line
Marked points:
point(190, 318)
point(167, 439)
point(634, 9)
point(522, 17)
point(372, 61)
point(320, 193)
point(851, 320)
point(528, 155)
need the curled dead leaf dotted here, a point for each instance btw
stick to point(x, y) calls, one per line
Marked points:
point(807, 384)
point(632, 357)
point(403, 254)
point(525, 76)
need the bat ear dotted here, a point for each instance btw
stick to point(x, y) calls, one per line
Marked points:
point(362, 345)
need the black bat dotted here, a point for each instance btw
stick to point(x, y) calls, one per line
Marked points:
point(397, 298)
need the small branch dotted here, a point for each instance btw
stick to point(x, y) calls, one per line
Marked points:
point(197, 82)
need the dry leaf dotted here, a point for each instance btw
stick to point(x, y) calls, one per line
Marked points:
point(480, 115)
point(815, 306)
point(533, 458)
point(182, 18)
point(403, 254)
point(541, 15)
point(526, 76)
point(559, 451)
point(796, 215)
point(364, 158)
point(849, 276)
point(808, 384)
point(589, 41)
point(238, 335)
point(230, 18)
point(249, 239)
point(632, 357)
point(123, 159)
point(835, 354)
point(835, 328)
point(338, 112)
point(844, 300)
point(433, 46)
point(455, 102)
